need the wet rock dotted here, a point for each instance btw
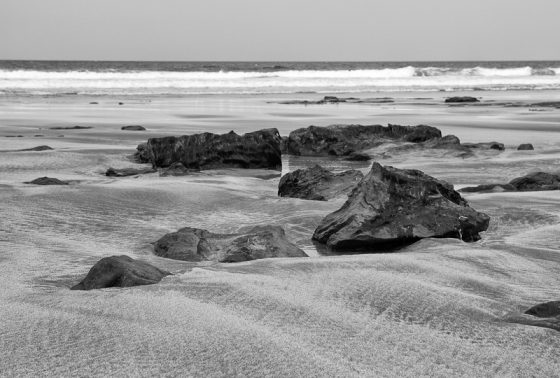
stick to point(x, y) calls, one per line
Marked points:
point(343, 140)
point(318, 183)
point(13, 136)
point(547, 104)
point(38, 148)
point(194, 244)
point(487, 146)
point(133, 128)
point(538, 181)
point(142, 154)
point(525, 147)
point(120, 271)
point(461, 99)
point(123, 172)
point(47, 181)
point(94, 103)
point(358, 156)
point(71, 128)
point(177, 169)
point(259, 149)
point(391, 208)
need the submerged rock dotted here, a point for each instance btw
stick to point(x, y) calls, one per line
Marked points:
point(318, 183)
point(47, 181)
point(123, 172)
point(259, 149)
point(38, 148)
point(538, 181)
point(194, 244)
point(133, 128)
point(343, 140)
point(525, 147)
point(392, 207)
point(120, 271)
point(460, 99)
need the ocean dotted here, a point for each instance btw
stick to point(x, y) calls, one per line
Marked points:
point(23, 78)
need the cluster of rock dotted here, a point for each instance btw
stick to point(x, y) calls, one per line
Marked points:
point(538, 181)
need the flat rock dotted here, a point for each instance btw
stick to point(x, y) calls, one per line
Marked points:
point(193, 244)
point(525, 147)
point(318, 183)
point(47, 181)
point(133, 128)
point(71, 128)
point(38, 148)
point(392, 208)
point(343, 140)
point(461, 99)
point(120, 271)
point(123, 172)
point(537, 181)
point(259, 149)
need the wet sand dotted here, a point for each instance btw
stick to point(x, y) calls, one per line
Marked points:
point(438, 308)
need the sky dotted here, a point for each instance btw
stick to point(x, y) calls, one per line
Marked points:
point(280, 30)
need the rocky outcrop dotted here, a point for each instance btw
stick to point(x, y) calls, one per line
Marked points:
point(177, 169)
point(259, 149)
point(392, 208)
point(343, 140)
point(120, 271)
point(38, 148)
point(133, 128)
point(525, 147)
point(318, 183)
point(538, 181)
point(461, 99)
point(194, 244)
point(47, 181)
point(123, 172)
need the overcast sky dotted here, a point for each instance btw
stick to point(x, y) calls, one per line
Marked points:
point(280, 30)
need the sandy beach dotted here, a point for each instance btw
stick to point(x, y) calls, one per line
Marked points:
point(440, 307)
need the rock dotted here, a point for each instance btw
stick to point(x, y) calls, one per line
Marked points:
point(120, 271)
point(38, 148)
point(259, 149)
point(121, 103)
point(193, 244)
point(461, 99)
point(487, 145)
point(47, 181)
point(123, 172)
point(343, 140)
point(392, 208)
point(133, 128)
point(358, 156)
point(525, 147)
point(71, 128)
point(13, 136)
point(177, 169)
point(538, 181)
point(547, 104)
point(336, 100)
point(318, 183)
point(545, 310)
point(93, 103)
point(142, 154)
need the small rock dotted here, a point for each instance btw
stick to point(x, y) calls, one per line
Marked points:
point(38, 148)
point(47, 181)
point(123, 172)
point(120, 271)
point(134, 128)
point(545, 310)
point(525, 147)
point(71, 128)
point(461, 99)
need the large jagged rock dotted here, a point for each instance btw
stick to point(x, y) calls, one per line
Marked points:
point(391, 208)
point(120, 271)
point(47, 181)
point(318, 183)
point(194, 244)
point(342, 140)
point(259, 149)
point(538, 181)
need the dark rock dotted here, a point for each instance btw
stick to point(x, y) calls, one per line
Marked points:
point(193, 244)
point(486, 146)
point(342, 140)
point(71, 128)
point(177, 169)
point(461, 99)
point(93, 103)
point(38, 148)
point(13, 136)
point(538, 181)
point(47, 181)
point(358, 156)
point(121, 103)
point(337, 100)
point(38, 135)
point(547, 104)
point(133, 128)
point(142, 154)
point(392, 208)
point(318, 184)
point(545, 310)
point(525, 147)
point(123, 172)
point(259, 149)
point(120, 271)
